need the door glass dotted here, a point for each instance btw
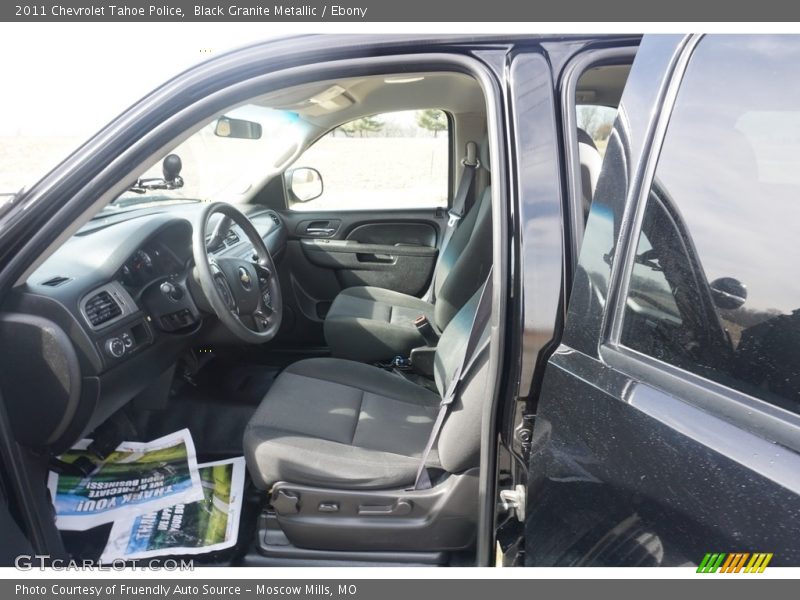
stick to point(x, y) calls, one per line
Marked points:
point(597, 121)
point(388, 161)
point(719, 234)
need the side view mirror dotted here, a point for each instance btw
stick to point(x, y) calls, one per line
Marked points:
point(304, 183)
point(728, 293)
point(237, 128)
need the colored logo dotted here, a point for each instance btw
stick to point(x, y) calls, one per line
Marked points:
point(244, 278)
point(737, 562)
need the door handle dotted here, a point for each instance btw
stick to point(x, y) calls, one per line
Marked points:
point(318, 227)
point(375, 258)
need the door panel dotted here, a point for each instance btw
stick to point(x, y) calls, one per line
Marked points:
point(403, 268)
point(659, 444)
point(395, 234)
point(330, 251)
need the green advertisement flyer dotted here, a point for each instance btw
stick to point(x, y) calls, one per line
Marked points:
point(136, 478)
point(187, 528)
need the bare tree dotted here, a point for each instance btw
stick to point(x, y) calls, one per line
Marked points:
point(590, 117)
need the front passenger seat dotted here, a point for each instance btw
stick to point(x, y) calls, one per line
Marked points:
point(338, 444)
point(371, 324)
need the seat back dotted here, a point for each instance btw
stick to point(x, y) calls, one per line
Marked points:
point(465, 262)
point(459, 442)
point(591, 162)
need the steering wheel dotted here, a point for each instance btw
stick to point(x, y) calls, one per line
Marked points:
point(239, 291)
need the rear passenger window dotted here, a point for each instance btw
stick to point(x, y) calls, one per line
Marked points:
point(395, 160)
point(597, 121)
point(715, 287)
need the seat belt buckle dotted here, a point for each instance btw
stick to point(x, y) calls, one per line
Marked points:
point(426, 330)
point(400, 362)
point(453, 217)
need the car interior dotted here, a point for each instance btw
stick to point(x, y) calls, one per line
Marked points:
point(597, 96)
point(317, 338)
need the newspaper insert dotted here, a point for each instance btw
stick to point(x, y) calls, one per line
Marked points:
point(205, 526)
point(135, 479)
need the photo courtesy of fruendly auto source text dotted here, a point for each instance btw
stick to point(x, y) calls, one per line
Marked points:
point(365, 300)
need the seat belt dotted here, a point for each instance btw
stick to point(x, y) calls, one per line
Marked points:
point(456, 212)
point(472, 351)
point(470, 163)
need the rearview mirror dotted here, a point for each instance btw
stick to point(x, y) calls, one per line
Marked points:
point(237, 128)
point(305, 184)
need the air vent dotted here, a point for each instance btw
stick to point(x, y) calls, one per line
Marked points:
point(275, 219)
point(101, 308)
point(56, 281)
point(232, 238)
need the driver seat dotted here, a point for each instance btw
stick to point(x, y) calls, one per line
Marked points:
point(371, 324)
point(338, 443)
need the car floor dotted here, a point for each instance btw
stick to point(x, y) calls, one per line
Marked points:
point(89, 544)
point(215, 407)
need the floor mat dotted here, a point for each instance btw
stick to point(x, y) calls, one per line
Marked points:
point(238, 383)
point(215, 410)
point(217, 429)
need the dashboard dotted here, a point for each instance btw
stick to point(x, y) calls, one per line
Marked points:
point(151, 261)
point(95, 325)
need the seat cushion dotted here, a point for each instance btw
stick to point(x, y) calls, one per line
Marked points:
point(340, 424)
point(372, 324)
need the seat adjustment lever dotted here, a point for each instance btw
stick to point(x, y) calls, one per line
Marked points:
point(400, 508)
point(286, 503)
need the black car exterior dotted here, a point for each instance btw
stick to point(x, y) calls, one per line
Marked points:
point(666, 427)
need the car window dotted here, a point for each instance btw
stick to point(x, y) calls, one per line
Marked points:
point(715, 288)
point(219, 164)
point(649, 288)
point(393, 160)
point(595, 123)
point(598, 121)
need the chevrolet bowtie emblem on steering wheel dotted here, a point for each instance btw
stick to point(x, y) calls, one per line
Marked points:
point(244, 278)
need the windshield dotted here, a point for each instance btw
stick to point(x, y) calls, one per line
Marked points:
point(220, 168)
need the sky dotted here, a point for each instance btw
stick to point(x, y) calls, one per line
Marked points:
point(61, 83)
point(70, 79)
point(86, 74)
